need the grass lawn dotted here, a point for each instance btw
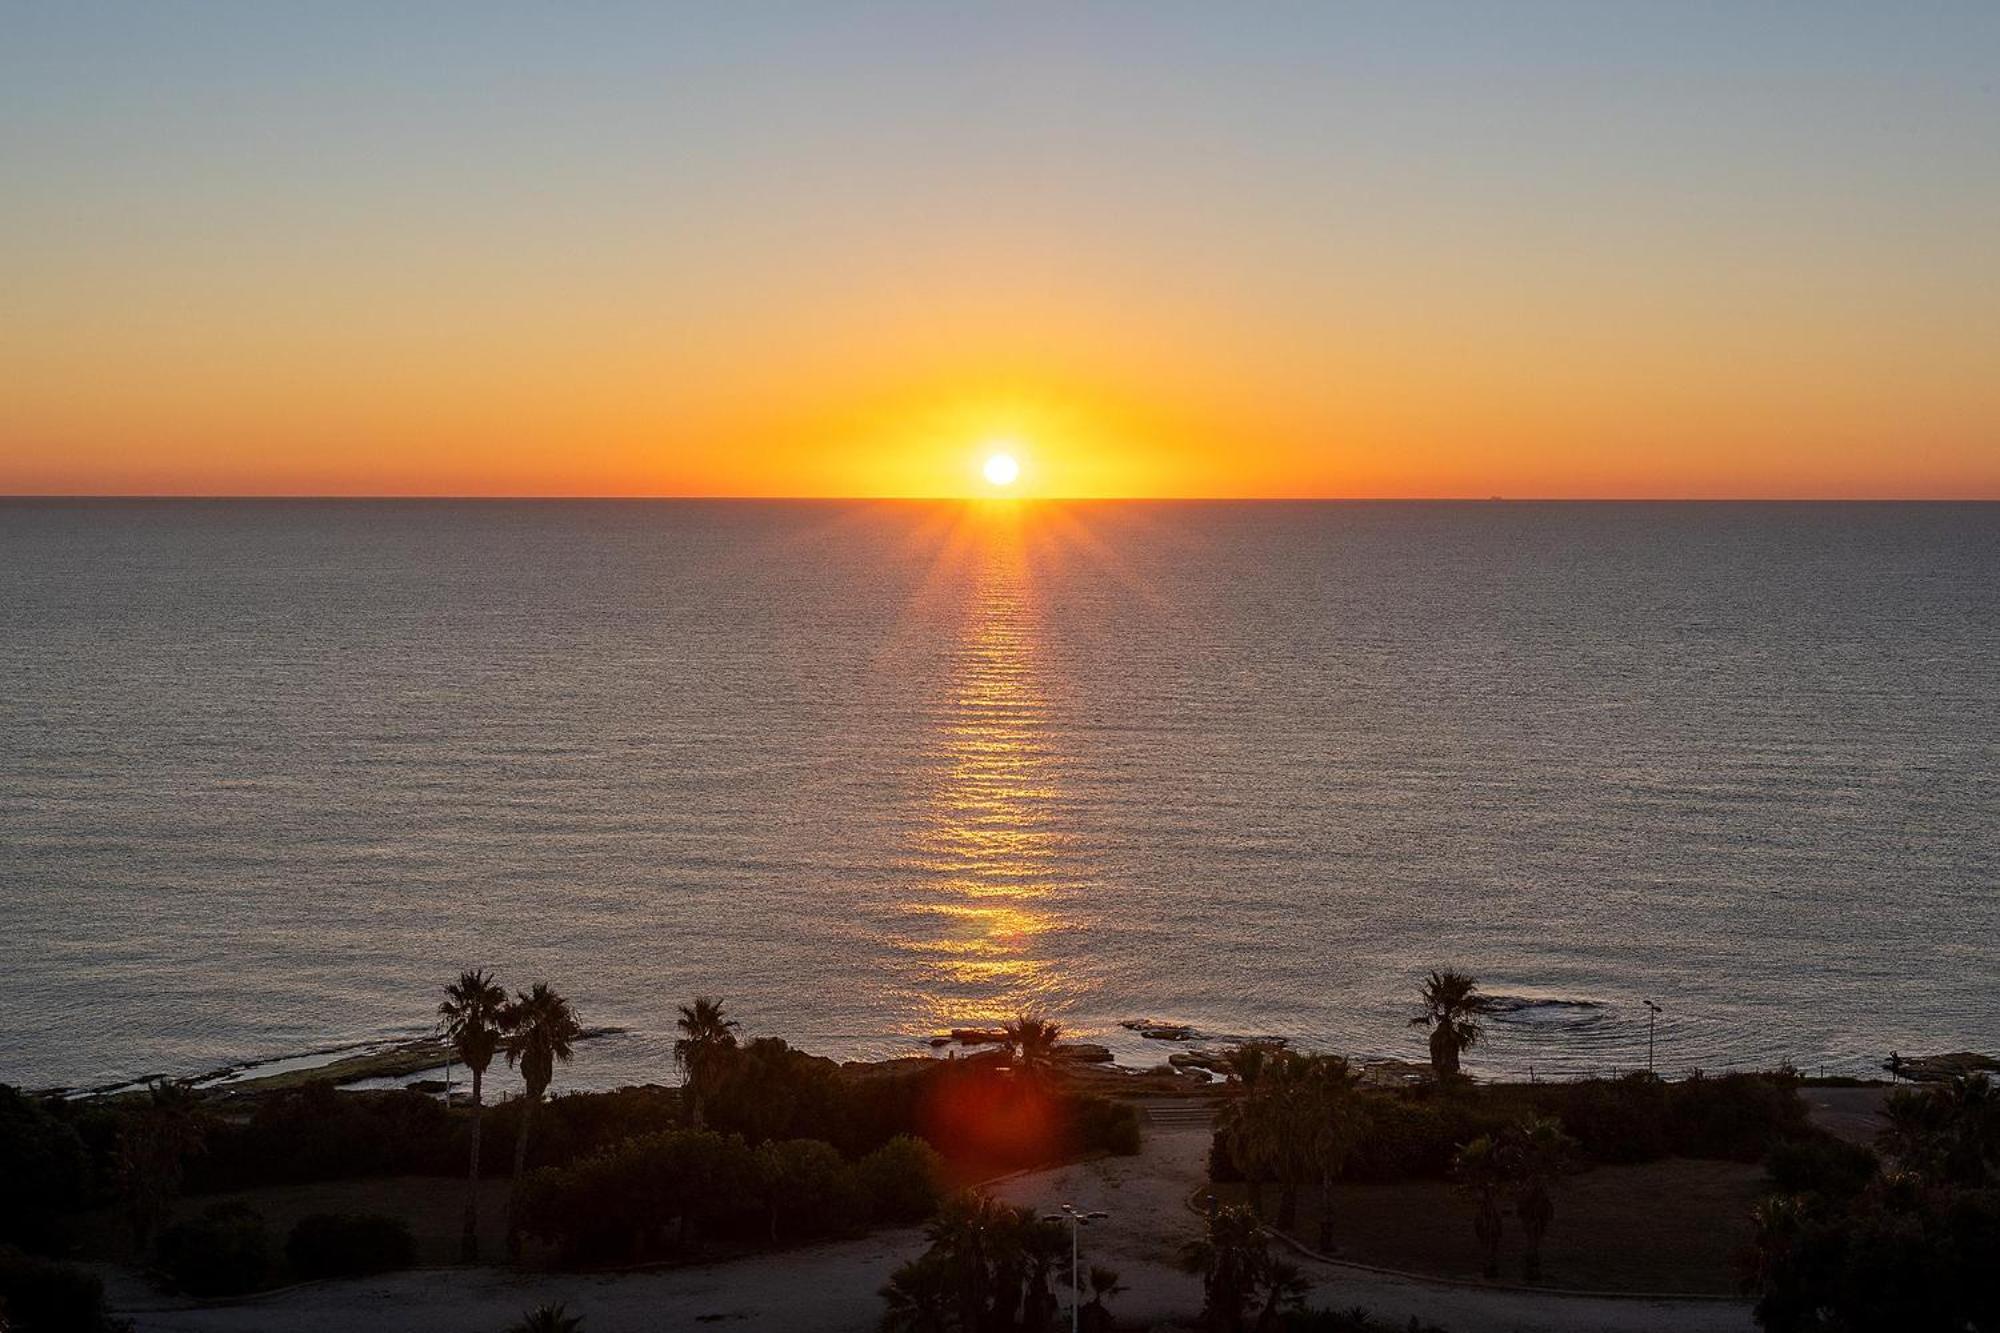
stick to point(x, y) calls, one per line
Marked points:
point(1678, 1225)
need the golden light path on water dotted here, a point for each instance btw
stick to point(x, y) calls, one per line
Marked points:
point(990, 840)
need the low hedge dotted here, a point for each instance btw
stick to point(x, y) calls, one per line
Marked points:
point(222, 1251)
point(40, 1295)
point(349, 1245)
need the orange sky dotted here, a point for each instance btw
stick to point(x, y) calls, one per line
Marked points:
point(1358, 259)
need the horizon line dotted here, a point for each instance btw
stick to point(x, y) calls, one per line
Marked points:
point(662, 497)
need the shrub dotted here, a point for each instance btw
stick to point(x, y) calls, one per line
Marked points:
point(42, 1296)
point(901, 1181)
point(1406, 1138)
point(318, 1133)
point(44, 1165)
point(1820, 1164)
point(1736, 1117)
point(223, 1251)
point(808, 1188)
point(619, 1204)
point(347, 1245)
point(1103, 1125)
point(1902, 1255)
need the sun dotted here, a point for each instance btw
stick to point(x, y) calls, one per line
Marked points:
point(1001, 469)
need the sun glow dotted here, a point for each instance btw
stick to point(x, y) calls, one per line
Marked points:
point(1001, 469)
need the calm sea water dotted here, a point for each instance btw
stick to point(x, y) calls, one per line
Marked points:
point(271, 772)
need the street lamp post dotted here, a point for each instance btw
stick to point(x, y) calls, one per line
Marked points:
point(1077, 1220)
point(1653, 1012)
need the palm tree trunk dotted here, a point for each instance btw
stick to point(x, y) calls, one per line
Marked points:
point(1257, 1193)
point(468, 1248)
point(1326, 1212)
point(1288, 1205)
point(520, 1168)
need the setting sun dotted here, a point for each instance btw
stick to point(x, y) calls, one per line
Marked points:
point(1001, 469)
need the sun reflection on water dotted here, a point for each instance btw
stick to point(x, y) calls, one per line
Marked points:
point(989, 847)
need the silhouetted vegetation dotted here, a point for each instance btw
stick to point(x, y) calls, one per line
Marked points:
point(1296, 1121)
point(1820, 1164)
point(45, 1166)
point(538, 1032)
point(669, 1193)
point(1522, 1163)
point(1450, 1005)
point(1416, 1133)
point(989, 1266)
point(703, 1050)
point(343, 1245)
point(471, 1017)
point(1243, 1285)
point(224, 1250)
point(1911, 1248)
point(41, 1295)
point(155, 1141)
point(554, 1318)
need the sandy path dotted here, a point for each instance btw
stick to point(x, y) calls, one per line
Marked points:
point(833, 1287)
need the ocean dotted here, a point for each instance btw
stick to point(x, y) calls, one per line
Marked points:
point(272, 772)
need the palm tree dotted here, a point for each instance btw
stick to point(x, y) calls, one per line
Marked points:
point(1947, 1133)
point(539, 1029)
point(1451, 1009)
point(1251, 1137)
point(1481, 1174)
point(1285, 1288)
point(470, 1018)
point(1539, 1152)
point(1031, 1044)
point(548, 1319)
point(1333, 1126)
point(920, 1296)
point(152, 1148)
point(707, 1040)
point(1104, 1284)
point(1231, 1259)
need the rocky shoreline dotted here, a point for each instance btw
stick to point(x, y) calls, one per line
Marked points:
point(1197, 1061)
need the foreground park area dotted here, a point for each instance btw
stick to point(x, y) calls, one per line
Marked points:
point(1016, 1186)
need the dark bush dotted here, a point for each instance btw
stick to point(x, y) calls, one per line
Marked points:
point(1902, 1255)
point(663, 1193)
point(1736, 1117)
point(42, 1296)
point(901, 1181)
point(574, 1125)
point(44, 1168)
point(647, 1196)
point(1820, 1164)
point(223, 1251)
point(1614, 1120)
point(1415, 1137)
point(1104, 1125)
point(349, 1245)
point(1414, 1133)
point(318, 1133)
point(807, 1187)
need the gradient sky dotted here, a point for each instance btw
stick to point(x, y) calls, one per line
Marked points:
point(1401, 249)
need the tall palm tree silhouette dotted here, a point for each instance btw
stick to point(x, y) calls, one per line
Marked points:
point(539, 1029)
point(1450, 1006)
point(707, 1040)
point(470, 1018)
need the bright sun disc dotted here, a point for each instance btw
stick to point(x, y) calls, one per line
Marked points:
point(1002, 469)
